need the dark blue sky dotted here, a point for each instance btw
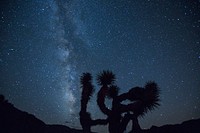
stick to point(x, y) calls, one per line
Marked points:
point(46, 45)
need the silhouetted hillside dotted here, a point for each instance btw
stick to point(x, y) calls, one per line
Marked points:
point(191, 126)
point(13, 120)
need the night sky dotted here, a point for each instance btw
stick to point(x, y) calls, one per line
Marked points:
point(45, 45)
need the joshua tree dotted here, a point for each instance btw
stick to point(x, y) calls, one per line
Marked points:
point(141, 100)
point(106, 80)
point(146, 99)
point(87, 91)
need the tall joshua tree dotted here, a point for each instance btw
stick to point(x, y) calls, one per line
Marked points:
point(87, 91)
point(141, 100)
point(106, 80)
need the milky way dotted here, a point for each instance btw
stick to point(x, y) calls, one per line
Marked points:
point(46, 45)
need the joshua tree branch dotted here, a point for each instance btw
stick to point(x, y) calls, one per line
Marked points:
point(99, 122)
point(122, 97)
point(125, 122)
point(101, 100)
point(131, 107)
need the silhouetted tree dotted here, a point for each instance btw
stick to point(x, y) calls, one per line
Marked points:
point(106, 80)
point(141, 100)
point(87, 91)
point(144, 100)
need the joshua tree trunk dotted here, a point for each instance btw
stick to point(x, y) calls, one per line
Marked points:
point(124, 122)
point(135, 125)
point(85, 121)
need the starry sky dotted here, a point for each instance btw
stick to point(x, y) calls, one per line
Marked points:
point(45, 45)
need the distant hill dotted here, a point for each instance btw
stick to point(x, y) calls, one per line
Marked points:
point(191, 126)
point(13, 120)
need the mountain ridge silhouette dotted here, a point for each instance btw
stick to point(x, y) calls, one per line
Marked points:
point(13, 120)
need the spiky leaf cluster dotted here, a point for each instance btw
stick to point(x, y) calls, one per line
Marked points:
point(105, 78)
point(86, 78)
point(151, 96)
point(87, 87)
